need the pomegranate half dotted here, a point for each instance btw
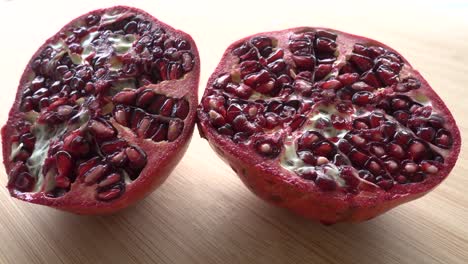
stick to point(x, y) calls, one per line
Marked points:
point(104, 111)
point(332, 126)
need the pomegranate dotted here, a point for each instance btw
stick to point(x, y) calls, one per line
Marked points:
point(104, 111)
point(333, 126)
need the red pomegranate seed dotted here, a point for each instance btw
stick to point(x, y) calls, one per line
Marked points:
point(295, 124)
point(136, 157)
point(246, 68)
point(76, 144)
point(373, 166)
point(323, 70)
point(361, 62)
point(111, 147)
point(363, 98)
point(401, 179)
point(409, 167)
point(125, 97)
point(331, 84)
point(362, 86)
point(145, 98)
point(101, 129)
point(64, 111)
point(360, 124)
point(377, 149)
point(110, 180)
point(62, 182)
point(268, 148)
point(266, 87)
point(325, 183)
point(143, 126)
point(399, 103)
point(417, 150)
point(360, 49)
point(322, 123)
point(118, 159)
point(340, 160)
point(321, 160)
point(161, 133)
point(138, 115)
point(426, 133)
point(95, 173)
point(417, 177)
point(275, 55)
point(402, 138)
point(308, 174)
point(157, 103)
point(308, 139)
point(375, 119)
point(272, 120)
point(386, 75)
point(109, 194)
point(64, 163)
point(305, 62)
point(232, 112)
point(166, 108)
point(357, 140)
point(216, 119)
point(443, 139)
point(375, 51)
point(407, 84)
point(344, 146)
point(24, 182)
point(28, 141)
point(388, 129)
point(222, 81)
point(396, 151)
point(392, 166)
point(307, 157)
point(175, 129)
point(339, 122)
point(324, 149)
point(357, 157)
point(351, 177)
point(241, 124)
point(253, 79)
point(187, 61)
point(385, 184)
point(429, 167)
point(371, 79)
point(348, 78)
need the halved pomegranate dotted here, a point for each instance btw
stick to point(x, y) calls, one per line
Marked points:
point(332, 126)
point(104, 111)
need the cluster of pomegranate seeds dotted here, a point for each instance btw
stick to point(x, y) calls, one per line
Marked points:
point(91, 79)
point(345, 117)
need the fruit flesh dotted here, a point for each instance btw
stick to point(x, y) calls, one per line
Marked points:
point(354, 128)
point(103, 113)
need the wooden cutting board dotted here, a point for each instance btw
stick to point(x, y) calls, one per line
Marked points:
point(203, 213)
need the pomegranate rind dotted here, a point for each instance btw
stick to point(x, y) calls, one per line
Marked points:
point(283, 188)
point(162, 158)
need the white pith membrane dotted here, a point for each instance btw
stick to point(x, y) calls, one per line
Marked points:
point(231, 86)
point(113, 48)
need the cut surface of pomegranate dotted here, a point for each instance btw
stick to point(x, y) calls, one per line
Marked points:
point(332, 126)
point(104, 111)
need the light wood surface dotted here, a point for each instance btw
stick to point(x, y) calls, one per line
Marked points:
point(203, 213)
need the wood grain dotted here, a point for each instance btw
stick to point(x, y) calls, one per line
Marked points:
point(203, 213)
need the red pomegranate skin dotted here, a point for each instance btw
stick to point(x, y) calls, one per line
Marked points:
point(161, 156)
point(272, 182)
